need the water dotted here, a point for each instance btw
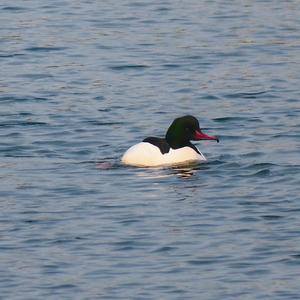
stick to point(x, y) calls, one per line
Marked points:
point(81, 81)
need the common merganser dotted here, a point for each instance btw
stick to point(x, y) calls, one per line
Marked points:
point(174, 149)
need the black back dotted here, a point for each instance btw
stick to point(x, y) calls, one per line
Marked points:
point(162, 144)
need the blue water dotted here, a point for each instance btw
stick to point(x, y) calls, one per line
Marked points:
point(81, 81)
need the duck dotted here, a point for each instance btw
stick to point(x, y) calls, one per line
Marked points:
point(172, 150)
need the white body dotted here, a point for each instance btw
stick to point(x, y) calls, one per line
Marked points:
point(147, 155)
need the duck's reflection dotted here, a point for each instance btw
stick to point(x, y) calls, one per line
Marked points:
point(186, 171)
point(182, 171)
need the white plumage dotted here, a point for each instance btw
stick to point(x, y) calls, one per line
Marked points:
point(147, 155)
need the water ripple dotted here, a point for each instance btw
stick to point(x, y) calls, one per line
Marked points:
point(45, 49)
point(129, 67)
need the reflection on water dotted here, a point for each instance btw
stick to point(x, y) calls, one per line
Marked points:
point(187, 171)
point(183, 171)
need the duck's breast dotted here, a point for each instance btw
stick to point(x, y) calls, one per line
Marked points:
point(182, 155)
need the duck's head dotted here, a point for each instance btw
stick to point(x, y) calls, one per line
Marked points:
point(186, 129)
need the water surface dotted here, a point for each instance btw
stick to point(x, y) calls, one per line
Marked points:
point(83, 81)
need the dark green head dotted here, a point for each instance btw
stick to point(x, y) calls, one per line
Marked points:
point(185, 129)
